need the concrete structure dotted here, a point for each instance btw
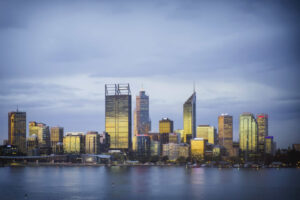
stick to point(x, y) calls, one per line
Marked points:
point(171, 150)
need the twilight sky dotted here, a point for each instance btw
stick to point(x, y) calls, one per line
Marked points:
point(56, 57)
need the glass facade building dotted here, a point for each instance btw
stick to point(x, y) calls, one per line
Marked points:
point(198, 148)
point(73, 143)
point(263, 130)
point(92, 142)
point(43, 134)
point(118, 115)
point(248, 134)
point(166, 125)
point(207, 132)
point(225, 133)
point(142, 123)
point(269, 146)
point(189, 118)
point(143, 146)
point(17, 130)
point(56, 138)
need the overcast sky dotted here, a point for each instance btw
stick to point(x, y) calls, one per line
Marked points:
point(56, 57)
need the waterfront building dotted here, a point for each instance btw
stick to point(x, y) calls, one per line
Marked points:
point(17, 130)
point(189, 118)
point(56, 139)
point(183, 150)
point(166, 125)
point(207, 132)
point(263, 130)
point(143, 146)
point(248, 135)
point(155, 148)
point(73, 143)
point(142, 123)
point(225, 133)
point(269, 145)
point(43, 135)
point(118, 116)
point(92, 142)
point(32, 145)
point(198, 148)
point(171, 150)
point(104, 142)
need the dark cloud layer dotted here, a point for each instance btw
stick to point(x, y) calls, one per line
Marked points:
point(244, 56)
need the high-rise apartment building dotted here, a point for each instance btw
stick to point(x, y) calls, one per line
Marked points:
point(166, 125)
point(17, 130)
point(207, 132)
point(225, 133)
point(92, 142)
point(142, 123)
point(118, 115)
point(189, 118)
point(262, 128)
point(248, 134)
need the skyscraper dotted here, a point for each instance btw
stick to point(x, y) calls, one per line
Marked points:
point(118, 115)
point(92, 143)
point(166, 125)
point(248, 134)
point(189, 118)
point(43, 134)
point(142, 123)
point(56, 138)
point(17, 130)
point(225, 133)
point(262, 128)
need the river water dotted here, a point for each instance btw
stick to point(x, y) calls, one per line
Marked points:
point(147, 182)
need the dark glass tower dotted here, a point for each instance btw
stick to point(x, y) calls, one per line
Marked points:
point(118, 115)
point(17, 130)
point(189, 118)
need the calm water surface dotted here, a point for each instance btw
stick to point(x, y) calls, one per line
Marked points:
point(147, 183)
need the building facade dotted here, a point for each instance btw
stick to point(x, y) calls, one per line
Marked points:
point(142, 123)
point(118, 116)
point(263, 130)
point(143, 146)
point(73, 143)
point(248, 134)
point(225, 133)
point(43, 135)
point(171, 150)
point(189, 118)
point(207, 132)
point(166, 125)
point(269, 145)
point(92, 142)
point(198, 148)
point(17, 130)
point(56, 139)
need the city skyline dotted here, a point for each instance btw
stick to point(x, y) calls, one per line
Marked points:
point(242, 56)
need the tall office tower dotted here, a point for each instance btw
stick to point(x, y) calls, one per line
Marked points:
point(32, 145)
point(143, 146)
point(92, 142)
point(207, 132)
point(118, 115)
point(142, 123)
point(225, 133)
point(189, 118)
point(74, 143)
point(269, 145)
point(17, 130)
point(262, 128)
point(56, 138)
point(166, 125)
point(248, 134)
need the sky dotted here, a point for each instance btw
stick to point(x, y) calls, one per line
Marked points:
point(56, 57)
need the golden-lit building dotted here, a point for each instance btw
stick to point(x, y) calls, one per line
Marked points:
point(183, 150)
point(118, 116)
point(181, 132)
point(56, 139)
point(207, 132)
point(17, 130)
point(32, 145)
point(92, 142)
point(189, 118)
point(43, 135)
point(269, 145)
point(73, 143)
point(263, 130)
point(248, 134)
point(166, 125)
point(174, 138)
point(198, 148)
point(225, 133)
point(155, 148)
